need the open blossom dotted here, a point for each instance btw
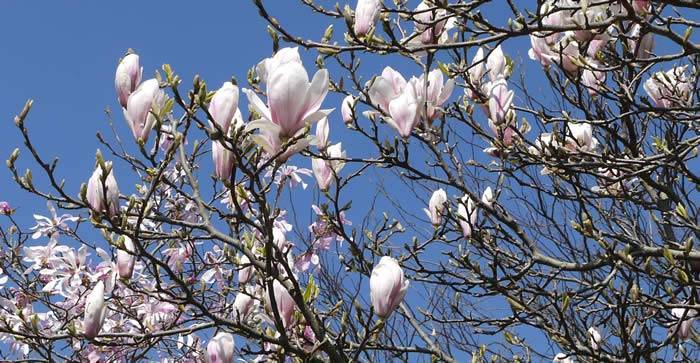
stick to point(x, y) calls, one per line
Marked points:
point(595, 338)
point(436, 206)
point(581, 137)
point(126, 258)
point(671, 88)
point(127, 77)
point(500, 101)
point(325, 170)
point(686, 318)
point(466, 211)
point(346, 108)
point(103, 197)
point(220, 348)
point(5, 208)
point(434, 93)
point(95, 311)
point(51, 226)
point(403, 110)
point(284, 301)
point(388, 286)
point(147, 99)
point(267, 66)
point(292, 103)
point(386, 87)
point(223, 107)
point(366, 14)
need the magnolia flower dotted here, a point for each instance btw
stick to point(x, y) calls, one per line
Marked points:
point(581, 137)
point(403, 110)
point(671, 88)
point(388, 286)
point(224, 106)
point(686, 318)
point(595, 338)
point(496, 64)
point(436, 206)
point(95, 311)
point(126, 258)
point(562, 358)
point(641, 7)
point(220, 348)
point(51, 226)
point(566, 54)
point(488, 197)
point(242, 305)
point(5, 208)
point(466, 211)
point(346, 109)
point(500, 101)
point(101, 197)
point(325, 170)
point(245, 271)
point(322, 131)
point(385, 88)
point(284, 301)
point(427, 24)
point(476, 72)
point(128, 77)
point(283, 56)
point(434, 93)
point(292, 103)
point(541, 50)
point(592, 78)
point(279, 238)
point(544, 144)
point(366, 13)
point(146, 100)
point(224, 160)
point(640, 45)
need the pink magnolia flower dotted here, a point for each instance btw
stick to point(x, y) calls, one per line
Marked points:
point(95, 311)
point(147, 99)
point(427, 24)
point(466, 211)
point(283, 56)
point(242, 305)
point(593, 78)
point(541, 49)
point(224, 160)
point(326, 170)
point(581, 137)
point(499, 102)
point(672, 88)
point(220, 348)
point(434, 93)
point(322, 131)
point(595, 338)
point(436, 206)
point(51, 226)
point(245, 271)
point(103, 197)
point(388, 286)
point(5, 208)
point(126, 258)
point(346, 109)
point(476, 73)
point(292, 104)
point(404, 114)
point(284, 301)
point(686, 318)
point(488, 197)
point(290, 174)
point(641, 7)
point(383, 89)
point(223, 107)
point(496, 64)
point(366, 14)
point(640, 45)
point(127, 77)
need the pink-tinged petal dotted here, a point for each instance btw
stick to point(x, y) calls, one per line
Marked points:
point(257, 104)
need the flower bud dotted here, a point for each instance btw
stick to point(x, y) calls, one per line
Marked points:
point(220, 348)
point(146, 97)
point(346, 109)
point(366, 13)
point(242, 306)
point(284, 301)
point(95, 311)
point(436, 206)
point(126, 259)
point(467, 215)
point(246, 270)
point(127, 78)
point(595, 338)
point(103, 198)
point(388, 286)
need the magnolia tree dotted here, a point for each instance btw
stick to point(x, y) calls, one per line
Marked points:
point(499, 214)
